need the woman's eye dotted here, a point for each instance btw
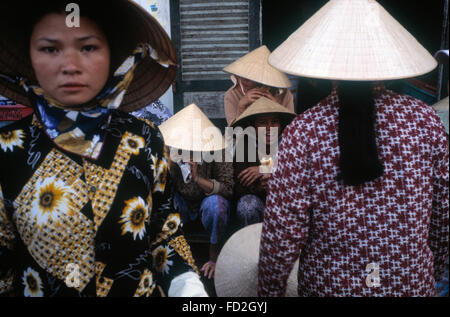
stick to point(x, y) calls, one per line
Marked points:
point(49, 49)
point(89, 48)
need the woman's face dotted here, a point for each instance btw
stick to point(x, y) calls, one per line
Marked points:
point(70, 64)
point(247, 84)
point(269, 121)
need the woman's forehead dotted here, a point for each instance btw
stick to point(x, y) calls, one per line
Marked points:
point(55, 25)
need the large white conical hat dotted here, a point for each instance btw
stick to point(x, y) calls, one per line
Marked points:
point(255, 66)
point(236, 272)
point(190, 129)
point(352, 40)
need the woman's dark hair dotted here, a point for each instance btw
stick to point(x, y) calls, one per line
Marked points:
point(359, 161)
point(310, 92)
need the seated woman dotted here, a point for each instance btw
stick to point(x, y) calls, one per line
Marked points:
point(202, 189)
point(85, 208)
point(256, 159)
point(253, 78)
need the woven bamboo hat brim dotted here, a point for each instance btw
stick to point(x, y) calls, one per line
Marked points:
point(263, 106)
point(151, 79)
point(352, 40)
point(236, 273)
point(191, 130)
point(255, 66)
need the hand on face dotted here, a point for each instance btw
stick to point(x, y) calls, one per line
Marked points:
point(252, 92)
point(70, 64)
point(251, 96)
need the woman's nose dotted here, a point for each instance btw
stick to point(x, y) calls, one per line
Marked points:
point(71, 64)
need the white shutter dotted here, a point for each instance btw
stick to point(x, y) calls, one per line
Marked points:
point(213, 35)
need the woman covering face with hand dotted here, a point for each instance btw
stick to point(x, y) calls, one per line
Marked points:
point(85, 206)
point(253, 78)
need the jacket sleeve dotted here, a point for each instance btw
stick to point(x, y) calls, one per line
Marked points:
point(231, 103)
point(171, 254)
point(223, 179)
point(439, 230)
point(7, 239)
point(286, 219)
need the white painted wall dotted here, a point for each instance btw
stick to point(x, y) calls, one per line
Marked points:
point(160, 9)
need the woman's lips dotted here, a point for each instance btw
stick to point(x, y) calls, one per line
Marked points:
point(72, 87)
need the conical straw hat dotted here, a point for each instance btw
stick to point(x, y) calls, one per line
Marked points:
point(255, 66)
point(352, 40)
point(264, 106)
point(190, 129)
point(236, 272)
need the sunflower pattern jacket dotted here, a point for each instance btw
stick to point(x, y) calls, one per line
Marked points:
point(74, 227)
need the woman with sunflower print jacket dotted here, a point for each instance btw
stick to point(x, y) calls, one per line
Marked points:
point(85, 204)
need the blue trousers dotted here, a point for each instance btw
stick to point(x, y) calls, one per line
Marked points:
point(214, 211)
point(249, 210)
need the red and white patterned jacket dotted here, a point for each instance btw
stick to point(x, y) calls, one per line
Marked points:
point(395, 226)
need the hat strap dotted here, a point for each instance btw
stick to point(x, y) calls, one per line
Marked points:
point(158, 57)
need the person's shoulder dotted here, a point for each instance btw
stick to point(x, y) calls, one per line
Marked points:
point(132, 123)
point(407, 103)
point(305, 123)
point(126, 122)
point(15, 138)
point(324, 108)
point(233, 92)
point(404, 100)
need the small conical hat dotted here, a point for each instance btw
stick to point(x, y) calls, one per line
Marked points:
point(264, 106)
point(190, 129)
point(236, 273)
point(255, 66)
point(352, 40)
